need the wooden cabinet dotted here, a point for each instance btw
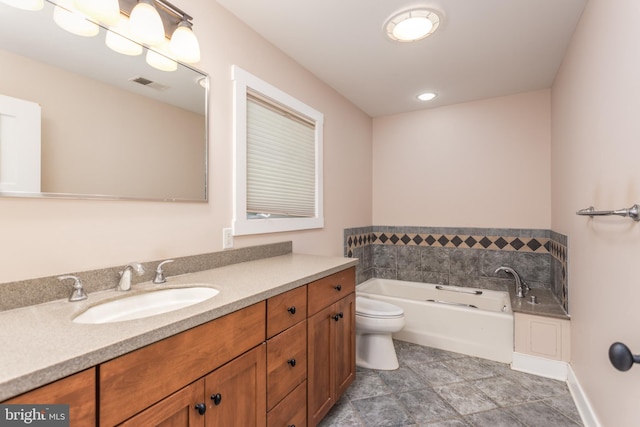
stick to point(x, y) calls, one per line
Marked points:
point(177, 410)
point(78, 391)
point(236, 393)
point(330, 342)
point(131, 383)
point(232, 395)
point(287, 358)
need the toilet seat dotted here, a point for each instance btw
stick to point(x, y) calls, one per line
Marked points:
point(371, 308)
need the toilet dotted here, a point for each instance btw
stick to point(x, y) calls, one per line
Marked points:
point(375, 322)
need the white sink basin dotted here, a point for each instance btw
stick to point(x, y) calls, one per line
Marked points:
point(146, 304)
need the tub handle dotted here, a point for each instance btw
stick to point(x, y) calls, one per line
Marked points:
point(462, 291)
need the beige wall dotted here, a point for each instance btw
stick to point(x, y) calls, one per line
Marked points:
point(595, 153)
point(48, 237)
point(477, 164)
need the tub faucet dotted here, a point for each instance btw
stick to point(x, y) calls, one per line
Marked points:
point(521, 286)
point(125, 276)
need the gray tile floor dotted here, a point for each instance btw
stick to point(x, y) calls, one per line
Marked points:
point(442, 389)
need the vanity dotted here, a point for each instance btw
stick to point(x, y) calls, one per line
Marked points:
point(275, 347)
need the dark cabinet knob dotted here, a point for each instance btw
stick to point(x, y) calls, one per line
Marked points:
point(201, 407)
point(338, 288)
point(292, 362)
point(217, 398)
point(338, 316)
point(291, 425)
point(292, 309)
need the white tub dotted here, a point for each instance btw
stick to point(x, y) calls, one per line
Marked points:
point(449, 322)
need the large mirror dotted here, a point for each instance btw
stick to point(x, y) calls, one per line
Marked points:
point(80, 120)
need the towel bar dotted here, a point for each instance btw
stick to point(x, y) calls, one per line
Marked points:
point(633, 212)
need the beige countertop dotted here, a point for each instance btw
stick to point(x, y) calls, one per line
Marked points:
point(548, 305)
point(41, 344)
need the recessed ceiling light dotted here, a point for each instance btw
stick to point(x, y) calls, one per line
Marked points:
point(427, 96)
point(412, 25)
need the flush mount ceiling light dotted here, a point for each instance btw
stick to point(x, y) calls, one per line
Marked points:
point(412, 25)
point(427, 96)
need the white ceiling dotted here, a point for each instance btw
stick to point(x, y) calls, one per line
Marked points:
point(483, 48)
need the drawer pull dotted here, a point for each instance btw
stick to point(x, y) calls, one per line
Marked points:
point(291, 425)
point(338, 288)
point(292, 362)
point(338, 316)
point(201, 407)
point(217, 398)
point(292, 309)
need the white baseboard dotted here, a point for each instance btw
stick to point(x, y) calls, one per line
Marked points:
point(587, 414)
point(540, 366)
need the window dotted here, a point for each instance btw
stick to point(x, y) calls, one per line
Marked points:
point(278, 159)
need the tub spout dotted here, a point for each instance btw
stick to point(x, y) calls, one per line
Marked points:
point(521, 286)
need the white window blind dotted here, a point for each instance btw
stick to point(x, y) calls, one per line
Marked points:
point(281, 161)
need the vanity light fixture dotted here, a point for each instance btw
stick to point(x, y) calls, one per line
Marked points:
point(120, 39)
point(69, 18)
point(146, 23)
point(412, 25)
point(105, 11)
point(427, 96)
point(184, 44)
point(161, 61)
point(32, 5)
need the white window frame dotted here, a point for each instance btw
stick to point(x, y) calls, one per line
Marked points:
point(243, 82)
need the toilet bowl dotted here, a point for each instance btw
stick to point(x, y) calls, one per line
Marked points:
point(375, 322)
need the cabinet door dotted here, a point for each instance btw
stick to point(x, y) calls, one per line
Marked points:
point(345, 344)
point(177, 410)
point(78, 391)
point(320, 357)
point(236, 392)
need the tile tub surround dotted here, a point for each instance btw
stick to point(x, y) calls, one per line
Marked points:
point(461, 256)
point(439, 388)
point(37, 291)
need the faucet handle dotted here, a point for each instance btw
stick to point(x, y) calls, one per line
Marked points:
point(160, 273)
point(78, 293)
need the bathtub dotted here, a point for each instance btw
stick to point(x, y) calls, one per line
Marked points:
point(475, 322)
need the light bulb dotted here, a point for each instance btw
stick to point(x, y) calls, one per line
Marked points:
point(146, 24)
point(161, 61)
point(33, 5)
point(118, 38)
point(70, 19)
point(184, 44)
point(105, 11)
point(413, 28)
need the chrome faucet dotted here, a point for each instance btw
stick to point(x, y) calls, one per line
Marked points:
point(125, 275)
point(160, 273)
point(78, 293)
point(521, 286)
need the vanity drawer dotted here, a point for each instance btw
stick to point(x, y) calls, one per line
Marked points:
point(292, 411)
point(135, 381)
point(285, 310)
point(286, 362)
point(326, 291)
